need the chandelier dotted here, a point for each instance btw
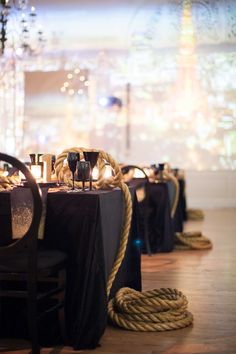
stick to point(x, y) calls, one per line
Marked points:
point(18, 30)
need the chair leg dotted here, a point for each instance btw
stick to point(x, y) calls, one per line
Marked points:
point(32, 318)
point(61, 313)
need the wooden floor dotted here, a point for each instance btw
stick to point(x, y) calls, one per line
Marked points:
point(207, 278)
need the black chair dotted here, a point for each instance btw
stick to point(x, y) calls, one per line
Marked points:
point(30, 272)
point(142, 181)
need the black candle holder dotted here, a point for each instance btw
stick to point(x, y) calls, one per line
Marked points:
point(92, 158)
point(83, 172)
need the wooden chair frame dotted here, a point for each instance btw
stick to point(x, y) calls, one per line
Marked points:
point(29, 244)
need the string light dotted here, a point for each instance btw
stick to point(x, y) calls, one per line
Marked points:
point(76, 83)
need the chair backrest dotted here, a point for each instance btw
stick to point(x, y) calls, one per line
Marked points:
point(29, 239)
point(131, 170)
point(137, 178)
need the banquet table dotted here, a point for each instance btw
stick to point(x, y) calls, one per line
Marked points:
point(87, 226)
point(155, 211)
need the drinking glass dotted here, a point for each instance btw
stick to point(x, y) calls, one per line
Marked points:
point(155, 169)
point(161, 169)
point(53, 163)
point(73, 158)
point(175, 172)
point(35, 158)
point(83, 172)
point(92, 157)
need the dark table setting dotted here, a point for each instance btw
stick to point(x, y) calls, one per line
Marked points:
point(87, 226)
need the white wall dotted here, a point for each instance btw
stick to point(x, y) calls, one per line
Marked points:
point(211, 189)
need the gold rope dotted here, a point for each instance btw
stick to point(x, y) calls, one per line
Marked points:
point(8, 182)
point(192, 240)
point(167, 176)
point(162, 309)
point(173, 179)
point(195, 214)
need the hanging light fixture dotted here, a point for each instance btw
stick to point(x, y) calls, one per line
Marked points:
point(17, 27)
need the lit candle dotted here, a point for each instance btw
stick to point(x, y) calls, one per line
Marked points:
point(95, 173)
point(138, 173)
point(108, 172)
point(148, 171)
point(36, 171)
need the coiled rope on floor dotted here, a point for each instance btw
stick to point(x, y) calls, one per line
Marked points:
point(192, 240)
point(159, 310)
point(153, 310)
point(195, 214)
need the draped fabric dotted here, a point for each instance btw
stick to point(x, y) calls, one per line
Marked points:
point(155, 216)
point(161, 232)
point(87, 226)
point(181, 210)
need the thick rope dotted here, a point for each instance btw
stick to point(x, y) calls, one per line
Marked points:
point(124, 236)
point(192, 240)
point(149, 311)
point(167, 176)
point(154, 310)
point(173, 179)
point(195, 214)
point(8, 182)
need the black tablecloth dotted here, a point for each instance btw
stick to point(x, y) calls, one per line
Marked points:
point(155, 211)
point(182, 197)
point(160, 225)
point(181, 210)
point(87, 227)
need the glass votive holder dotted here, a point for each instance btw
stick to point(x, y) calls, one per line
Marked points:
point(83, 171)
point(95, 174)
point(37, 171)
point(108, 171)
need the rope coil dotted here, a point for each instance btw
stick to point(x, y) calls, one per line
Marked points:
point(195, 214)
point(154, 310)
point(8, 182)
point(192, 240)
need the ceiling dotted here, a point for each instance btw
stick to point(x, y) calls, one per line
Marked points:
point(76, 25)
